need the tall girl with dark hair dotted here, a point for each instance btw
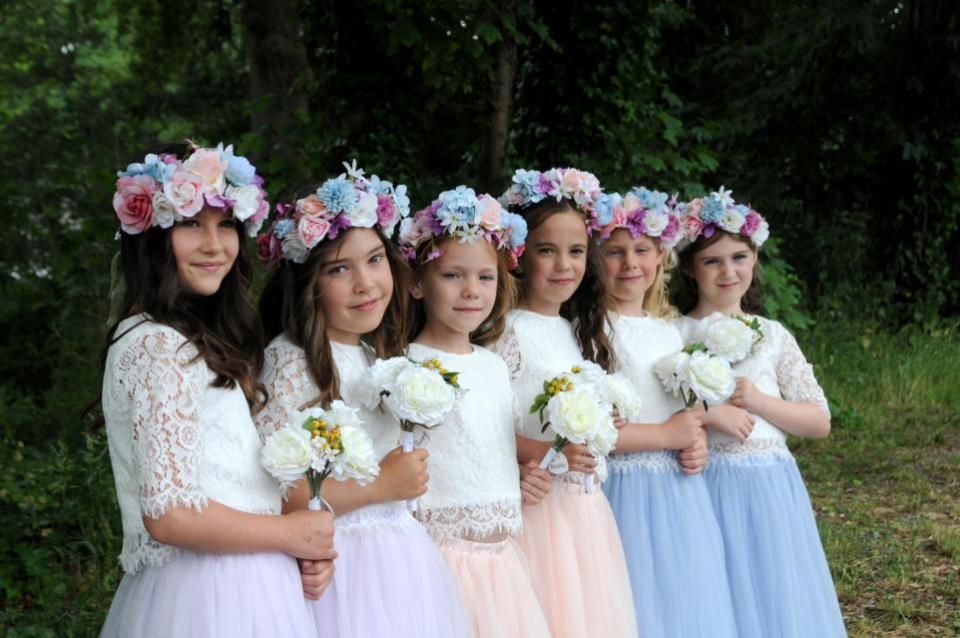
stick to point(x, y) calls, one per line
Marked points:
point(203, 536)
point(336, 302)
point(570, 536)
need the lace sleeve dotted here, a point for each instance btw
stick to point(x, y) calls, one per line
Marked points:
point(165, 387)
point(795, 375)
point(287, 380)
point(508, 347)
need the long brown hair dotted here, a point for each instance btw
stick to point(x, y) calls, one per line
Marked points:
point(587, 307)
point(687, 293)
point(291, 305)
point(495, 323)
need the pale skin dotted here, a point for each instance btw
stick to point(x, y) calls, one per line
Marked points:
point(205, 248)
point(631, 265)
point(724, 272)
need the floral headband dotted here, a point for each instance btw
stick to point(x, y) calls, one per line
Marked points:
point(163, 190)
point(580, 187)
point(706, 215)
point(460, 213)
point(351, 200)
point(641, 212)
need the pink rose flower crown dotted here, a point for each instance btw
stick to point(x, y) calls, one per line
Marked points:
point(581, 188)
point(163, 190)
point(350, 200)
point(642, 212)
point(717, 211)
point(462, 214)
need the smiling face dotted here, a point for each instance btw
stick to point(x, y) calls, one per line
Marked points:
point(458, 290)
point(354, 285)
point(723, 272)
point(205, 248)
point(630, 268)
point(554, 262)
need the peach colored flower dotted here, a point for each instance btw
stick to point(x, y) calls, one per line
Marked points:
point(207, 163)
point(312, 229)
point(133, 202)
point(185, 190)
point(311, 205)
point(488, 212)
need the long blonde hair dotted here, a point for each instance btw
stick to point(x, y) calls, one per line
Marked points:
point(656, 299)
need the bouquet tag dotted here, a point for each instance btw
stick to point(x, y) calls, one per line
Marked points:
point(559, 465)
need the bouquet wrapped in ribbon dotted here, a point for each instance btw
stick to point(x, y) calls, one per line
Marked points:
point(417, 393)
point(318, 443)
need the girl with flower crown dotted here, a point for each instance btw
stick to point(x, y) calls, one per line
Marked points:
point(203, 536)
point(461, 248)
point(570, 535)
point(670, 535)
point(778, 573)
point(336, 301)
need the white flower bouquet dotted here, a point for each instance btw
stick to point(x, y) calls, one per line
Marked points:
point(319, 443)
point(732, 338)
point(417, 393)
point(695, 374)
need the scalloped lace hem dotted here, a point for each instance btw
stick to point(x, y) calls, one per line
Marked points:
point(756, 452)
point(654, 461)
point(473, 523)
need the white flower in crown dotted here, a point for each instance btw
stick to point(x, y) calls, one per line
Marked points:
point(246, 200)
point(725, 196)
point(732, 220)
point(364, 215)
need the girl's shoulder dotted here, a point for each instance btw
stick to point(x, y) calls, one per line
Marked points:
point(281, 347)
point(141, 334)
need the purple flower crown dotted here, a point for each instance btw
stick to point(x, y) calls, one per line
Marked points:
point(580, 187)
point(706, 215)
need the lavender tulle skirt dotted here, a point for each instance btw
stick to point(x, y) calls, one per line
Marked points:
point(212, 595)
point(390, 580)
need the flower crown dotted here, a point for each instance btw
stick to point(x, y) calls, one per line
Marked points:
point(642, 212)
point(349, 201)
point(706, 215)
point(163, 189)
point(580, 187)
point(460, 213)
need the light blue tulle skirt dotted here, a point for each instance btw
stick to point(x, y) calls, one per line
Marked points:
point(673, 548)
point(778, 573)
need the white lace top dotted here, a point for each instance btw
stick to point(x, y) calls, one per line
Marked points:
point(291, 387)
point(174, 439)
point(777, 368)
point(474, 489)
point(639, 342)
point(535, 348)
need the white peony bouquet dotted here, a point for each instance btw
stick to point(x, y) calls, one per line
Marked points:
point(417, 393)
point(732, 338)
point(319, 443)
point(695, 374)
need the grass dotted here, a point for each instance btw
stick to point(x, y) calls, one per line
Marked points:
point(885, 485)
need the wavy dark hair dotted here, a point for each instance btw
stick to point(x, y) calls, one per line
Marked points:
point(687, 294)
point(291, 305)
point(496, 322)
point(587, 307)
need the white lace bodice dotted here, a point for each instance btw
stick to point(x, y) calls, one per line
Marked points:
point(474, 489)
point(777, 368)
point(174, 439)
point(639, 342)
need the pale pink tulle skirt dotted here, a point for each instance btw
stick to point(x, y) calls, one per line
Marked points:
point(577, 564)
point(495, 587)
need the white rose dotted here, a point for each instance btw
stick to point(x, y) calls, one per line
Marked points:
point(358, 460)
point(762, 234)
point(246, 200)
point(731, 221)
point(365, 214)
point(728, 338)
point(576, 415)
point(589, 373)
point(380, 377)
point(672, 371)
point(421, 396)
point(710, 377)
point(294, 249)
point(164, 213)
point(621, 392)
point(604, 439)
point(287, 454)
point(655, 223)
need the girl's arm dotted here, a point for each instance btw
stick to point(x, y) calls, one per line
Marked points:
point(579, 458)
point(676, 433)
point(218, 529)
point(730, 419)
point(802, 419)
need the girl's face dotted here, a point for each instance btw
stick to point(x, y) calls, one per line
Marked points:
point(355, 285)
point(724, 272)
point(554, 262)
point(458, 288)
point(630, 268)
point(205, 247)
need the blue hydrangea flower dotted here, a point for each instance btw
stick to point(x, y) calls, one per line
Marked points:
point(401, 200)
point(151, 166)
point(517, 226)
point(240, 171)
point(652, 200)
point(283, 228)
point(338, 195)
point(743, 210)
point(458, 208)
point(712, 210)
point(528, 185)
point(604, 206)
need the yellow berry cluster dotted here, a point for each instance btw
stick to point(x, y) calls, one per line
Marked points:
point(558, 385)
point(434, 364)
point(329, 433)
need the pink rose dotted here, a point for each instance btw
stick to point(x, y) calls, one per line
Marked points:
point(488, 213)
point(207, 163)
point(386, 211)
point(751, 223)
point(185, 190)
point(311, 206)
point(619, 217)
point(133, 202)
point(692, 226)
point(671, 232)
point(312, 229)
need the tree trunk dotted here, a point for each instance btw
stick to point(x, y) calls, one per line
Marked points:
point(501, 101)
